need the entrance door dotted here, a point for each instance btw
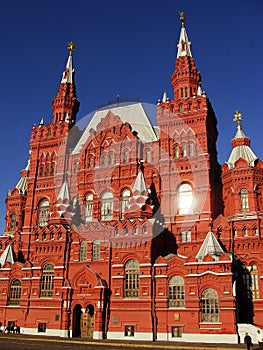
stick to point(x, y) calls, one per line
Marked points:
point(87, 322)
point(76, 332)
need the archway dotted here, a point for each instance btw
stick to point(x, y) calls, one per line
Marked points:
point(87, 322)
point(76, 331)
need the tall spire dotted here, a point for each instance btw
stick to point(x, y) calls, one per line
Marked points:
point(186, 78)
point(66, 105)
point(184, 44)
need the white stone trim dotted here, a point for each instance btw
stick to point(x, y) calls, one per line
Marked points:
point(202, 338)
point(97, 335)
point(137, 336)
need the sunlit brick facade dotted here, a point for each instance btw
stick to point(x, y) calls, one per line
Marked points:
point(125, 230)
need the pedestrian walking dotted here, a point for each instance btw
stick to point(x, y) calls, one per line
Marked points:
point(248, 341)
point(260, 340)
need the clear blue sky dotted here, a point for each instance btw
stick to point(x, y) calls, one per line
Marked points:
point(127, 48)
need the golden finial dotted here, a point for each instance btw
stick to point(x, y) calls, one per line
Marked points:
point(182, 18)
point(237, 117)
point(71, 47)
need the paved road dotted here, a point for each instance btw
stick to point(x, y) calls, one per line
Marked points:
point(25, 342)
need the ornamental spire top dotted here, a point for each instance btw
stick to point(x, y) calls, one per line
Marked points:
point(182, 18)
point(238, 118)
point(71, 47)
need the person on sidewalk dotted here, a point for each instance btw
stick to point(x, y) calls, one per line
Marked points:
point(260, 340)
point(248, 341)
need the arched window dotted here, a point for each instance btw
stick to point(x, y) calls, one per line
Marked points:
point(131, 281)
point(126, 157)
point(244, 200)
point(111, 159)
point(96, 251)
point(209, 306)
point(47, 170)
point(91, 162)
point(185, 199)
point(184, 151)
point(126, 194)
point(148, 156)
point(254, 281)
point(176, 292)
point(176, 151)
point(15, 292)
point(42, 171)
point(76, 167)
point(47, 281)
point(104, 160)
point(83, 251)
point(191, 150)
point(52, 171)
point(181, 108)
point(89, 207)
point(43, 210)
point(13, 222)
point(107, 206)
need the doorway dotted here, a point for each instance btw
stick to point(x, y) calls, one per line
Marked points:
point(87, 322)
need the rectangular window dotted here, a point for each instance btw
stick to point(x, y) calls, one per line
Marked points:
point(129, 331)
point(186, 236)
point(42, 327)
point(176, 332)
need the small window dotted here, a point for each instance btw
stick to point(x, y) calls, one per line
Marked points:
point(111, 159)
point(91, 162)
point(186, 236)
point(107, 206)
point(191, 150)
point(176, 332)
point(96, 251)
point(76, 169)
point(184, 151)
point(89, 207)
point(104, 160)
point(176, 152)
point(181, 108)
point(43, 210)
point(42, 327)
point(15, 292)
point(83, 251)
point(126, 157)
point(244, 200)
point(148, 156)
point(129, 331)
point(126, 194)
point(13, 222)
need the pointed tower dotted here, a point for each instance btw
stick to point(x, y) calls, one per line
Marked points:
point(188, 134)
point(186, 78)
point(242, 176)
point(66, 105)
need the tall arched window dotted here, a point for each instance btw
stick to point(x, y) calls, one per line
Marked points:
point(13, 222)
point(96, 250)
point(185, 199)
point(83, 251)
point(43, 210)
point(126, 156)
point(126, 194)
point(254, 281)
point(191, 150)
point(176, 151)
point(107, 206)
point(131, 281)
point(244, 200)
point(176, 292)
point(47, 281)
point(15, 292)
point(89, 207)
point(209, 306)
point(184, 151)
point(91, 162)
point(148, 156)
point(111, 158)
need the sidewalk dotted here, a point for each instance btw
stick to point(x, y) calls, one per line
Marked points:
point(131, 344)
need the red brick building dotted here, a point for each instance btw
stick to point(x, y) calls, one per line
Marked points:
point(125, 230)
